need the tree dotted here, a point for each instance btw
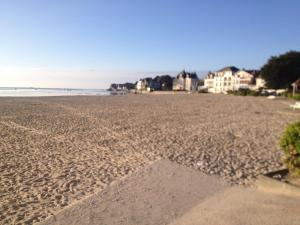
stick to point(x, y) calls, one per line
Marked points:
point(281, 71)
point(165, 81)
point(201, 82)
point(291, 147)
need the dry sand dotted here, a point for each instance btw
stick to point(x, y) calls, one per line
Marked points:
point(56, 150)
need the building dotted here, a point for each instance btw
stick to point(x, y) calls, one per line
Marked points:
point(229, 79)
point(165, 81)
point(154, 85)
point(121, 87)
point(141, 85)
point(296, 86)
point(260, 83)
point(258, 80)
point(185, 81)
point(209, 82)
point(148, 84)
point(244, 79)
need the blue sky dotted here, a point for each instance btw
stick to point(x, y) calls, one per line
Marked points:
point(90, 43)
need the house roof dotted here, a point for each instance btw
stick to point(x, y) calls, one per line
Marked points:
point(147, 79)
point(229, 68)
point(297, 82)
point(210, 75)
point(255, 73)
point(185, 74)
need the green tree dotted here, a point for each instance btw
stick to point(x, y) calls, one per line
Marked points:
point(281, 71)
point(201, 82)
point(290, 143)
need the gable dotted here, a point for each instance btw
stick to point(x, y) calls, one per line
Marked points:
point(297, 82)
point(244, 75)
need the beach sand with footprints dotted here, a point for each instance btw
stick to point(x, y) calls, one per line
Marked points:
point(55, 151)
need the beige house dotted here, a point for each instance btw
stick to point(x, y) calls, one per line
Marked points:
point(229, 79)
point(260, 83)
point(244, 79)
point(185, 81)
point(141, 85)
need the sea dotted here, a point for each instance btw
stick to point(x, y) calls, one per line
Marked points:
point(37, 92)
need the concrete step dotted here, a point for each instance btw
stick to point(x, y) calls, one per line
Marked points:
point(156, 195)
point(168, 193)
point(242, 206)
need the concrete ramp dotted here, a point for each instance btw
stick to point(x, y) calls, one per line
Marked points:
point(241, 206)
point(156, 195)
point(168, 193)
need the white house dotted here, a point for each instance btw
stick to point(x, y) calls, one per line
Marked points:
point(260, 83)
point(185, 81)
point(229, 79)
point(148, 84)
point(141, 85)
point(209, 82)
point(244, 79)
point(296, 86)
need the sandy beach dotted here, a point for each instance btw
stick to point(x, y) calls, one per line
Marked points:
point(55, 151)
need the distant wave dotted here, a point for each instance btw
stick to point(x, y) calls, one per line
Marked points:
point(31, 92)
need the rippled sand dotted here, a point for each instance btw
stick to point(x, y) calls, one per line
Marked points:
point(56, 150)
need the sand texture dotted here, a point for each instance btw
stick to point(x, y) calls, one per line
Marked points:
point(57, 150)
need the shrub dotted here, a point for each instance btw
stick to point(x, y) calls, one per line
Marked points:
point(290, 143)
point(284, 94)
point(203, 91)
point(296, 97)
point(244, 92)
point(253, 93)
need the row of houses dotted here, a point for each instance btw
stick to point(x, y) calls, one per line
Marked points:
point(221, 81)
point(231, 78)
point(227, 79)
point(184, 81)
point(121, 87)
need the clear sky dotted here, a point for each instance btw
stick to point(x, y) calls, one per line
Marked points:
point(90, 43)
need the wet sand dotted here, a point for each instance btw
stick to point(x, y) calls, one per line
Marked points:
point(57, 150)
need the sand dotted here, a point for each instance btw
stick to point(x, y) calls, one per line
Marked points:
point(57, 150)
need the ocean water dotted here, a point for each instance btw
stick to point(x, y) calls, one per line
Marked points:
point(35, 92)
